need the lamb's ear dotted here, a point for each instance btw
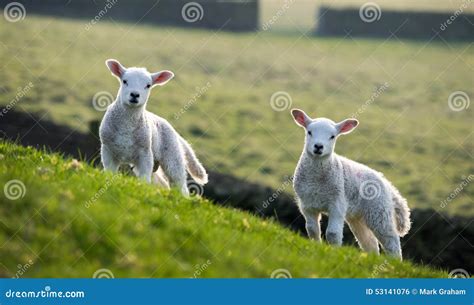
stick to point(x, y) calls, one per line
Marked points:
point(115, 67)
point(347, 126)
point(301, 118)
point(162, 77)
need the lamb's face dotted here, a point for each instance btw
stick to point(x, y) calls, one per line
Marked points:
point(136, 83)
point(321, 134)
point(135, 87)
point(321, 137)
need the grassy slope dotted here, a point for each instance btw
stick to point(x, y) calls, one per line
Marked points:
point(408, 132)
point(135, 230)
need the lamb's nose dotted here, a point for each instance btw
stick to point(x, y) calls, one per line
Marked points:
point(318, 146)
point(135, 94)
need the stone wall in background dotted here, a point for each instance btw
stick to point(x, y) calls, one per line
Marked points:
point(377, 22)
point(228, 15)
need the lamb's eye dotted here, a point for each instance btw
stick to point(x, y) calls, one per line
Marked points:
point(309, 133)
point(332, 137)
point(148, 86)
point(125, 82)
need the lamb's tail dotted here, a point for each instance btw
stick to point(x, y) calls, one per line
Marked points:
point(402, 213)
point(194, 167)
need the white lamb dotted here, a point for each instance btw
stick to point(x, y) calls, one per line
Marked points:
point(327, 183)
point(130, 134)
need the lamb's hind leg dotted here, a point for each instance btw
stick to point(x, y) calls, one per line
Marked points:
point(364, 236)
point(380, 220)
point(174, 165)
point(159, 178)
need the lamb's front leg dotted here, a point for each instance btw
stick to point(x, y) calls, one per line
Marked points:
point(144, 166)
point(313, 226)
point(109, 161)
point(335, 224)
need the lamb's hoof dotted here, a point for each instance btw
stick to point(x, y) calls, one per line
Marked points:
point(333, 238)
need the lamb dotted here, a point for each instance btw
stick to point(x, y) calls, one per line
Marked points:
point(346, 191)
point(130, 134)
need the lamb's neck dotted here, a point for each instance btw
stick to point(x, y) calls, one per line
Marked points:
point(320, 164)
point(128, 114)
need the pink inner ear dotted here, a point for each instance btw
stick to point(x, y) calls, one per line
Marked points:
point(347, 126)
point(163, 77)
point(115, 67)
point(300, 118)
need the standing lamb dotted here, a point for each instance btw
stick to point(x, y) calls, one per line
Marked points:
point(130, 134)
point(327, 183)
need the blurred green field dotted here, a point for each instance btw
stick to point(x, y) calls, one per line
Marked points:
point(407, 131)
point(70, 220)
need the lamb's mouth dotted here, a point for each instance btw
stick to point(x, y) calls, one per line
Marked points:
point(133, 101)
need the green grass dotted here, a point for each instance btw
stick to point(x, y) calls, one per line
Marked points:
point(408, 132)
point(136, 230)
